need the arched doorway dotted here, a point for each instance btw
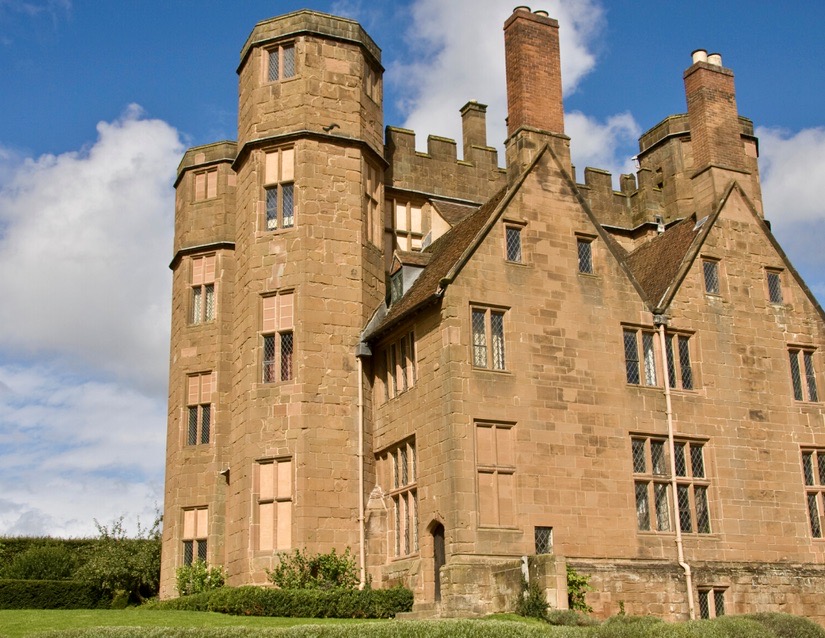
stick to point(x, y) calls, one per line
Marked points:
point(439, 558)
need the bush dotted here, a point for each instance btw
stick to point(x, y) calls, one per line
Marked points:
point(298, 603)
point(787, 626)
point(51, 594)
point(198, 578)
point(532, 602)
point(569, 618)
point(42, 562)
point(122, 564)
point(301, 570)
point(577, 587)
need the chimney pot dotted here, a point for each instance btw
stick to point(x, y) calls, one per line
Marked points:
point(715, 59)
point(542, 12)
point(699, 55)
point(522, 7)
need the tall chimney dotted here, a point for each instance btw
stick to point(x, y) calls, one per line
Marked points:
point(531, 51)
point(474, 126)
point(715, 131)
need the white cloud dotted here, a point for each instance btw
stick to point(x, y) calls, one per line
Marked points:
point(458, 55)
point(600, 145)
point(73, 450)
point(792, 168)
point(85, 240)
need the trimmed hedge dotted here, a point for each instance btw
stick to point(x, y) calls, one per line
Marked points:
point(51, 594)
point(298, 603)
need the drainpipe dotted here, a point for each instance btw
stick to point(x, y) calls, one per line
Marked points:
point(362, 351)
point(661, 321)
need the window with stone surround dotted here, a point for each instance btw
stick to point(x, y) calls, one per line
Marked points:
point(279, 189)
point(277, 337)
point(813, 474)
point(199, 407)
point(202, 275)
point(408, 223)
point(399, 470)
point(653, 485)
point(773, 278)
point(512, 243)
point(711, 602)
point(710, 273)
point(195, 532)
point(496, 467)
point(280, 62)
point(584, 248)
point(372, 204)
point(543, 537)
point(487, 327)
point(273, 504)
point(399, 365)
point(803, 375)
point(206, 184)
point(679, 366)
point(640, 356)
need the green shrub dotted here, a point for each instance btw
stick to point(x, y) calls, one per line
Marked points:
point(51, 594)
point(120, 563)
point(531, 602)
point(42, 562)
point(297, 603)
point(198, 578)
point(787, 626)
point(300, 570)
point(577, 587)
point(569, 618)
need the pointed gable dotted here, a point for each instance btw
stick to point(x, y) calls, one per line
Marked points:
point(444, 255)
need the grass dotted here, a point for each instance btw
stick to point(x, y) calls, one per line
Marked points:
point(26, 622)
point(158, 623)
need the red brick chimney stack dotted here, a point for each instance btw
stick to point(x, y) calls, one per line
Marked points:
point(715, 131)
point(531, 50)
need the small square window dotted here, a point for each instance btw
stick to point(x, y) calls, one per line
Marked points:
point(774, 286)
point(513, 239)
point(585, 251)
point(281, 63)
point(711, 603)
point(544, 540)
point(710, 268)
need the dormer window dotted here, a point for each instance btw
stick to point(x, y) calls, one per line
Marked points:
point(396, 286)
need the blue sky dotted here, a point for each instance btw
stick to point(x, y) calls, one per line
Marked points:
point(100, 99)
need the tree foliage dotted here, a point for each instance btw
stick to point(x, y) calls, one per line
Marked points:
point(120, 564)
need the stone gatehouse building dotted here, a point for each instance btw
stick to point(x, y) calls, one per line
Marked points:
point(447, 366)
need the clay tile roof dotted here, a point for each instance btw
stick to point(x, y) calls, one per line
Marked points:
point(451, 212)
point(444, 254)
point(656, 263)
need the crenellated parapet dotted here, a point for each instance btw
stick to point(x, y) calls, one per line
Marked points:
point(439, 172)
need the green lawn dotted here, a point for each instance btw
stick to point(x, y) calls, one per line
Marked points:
point(16, 623)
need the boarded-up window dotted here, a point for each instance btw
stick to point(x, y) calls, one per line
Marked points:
point(496, 466)
point(274, 503)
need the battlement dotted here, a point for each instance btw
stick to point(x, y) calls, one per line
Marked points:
point(678, 126)
point(439, 171)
